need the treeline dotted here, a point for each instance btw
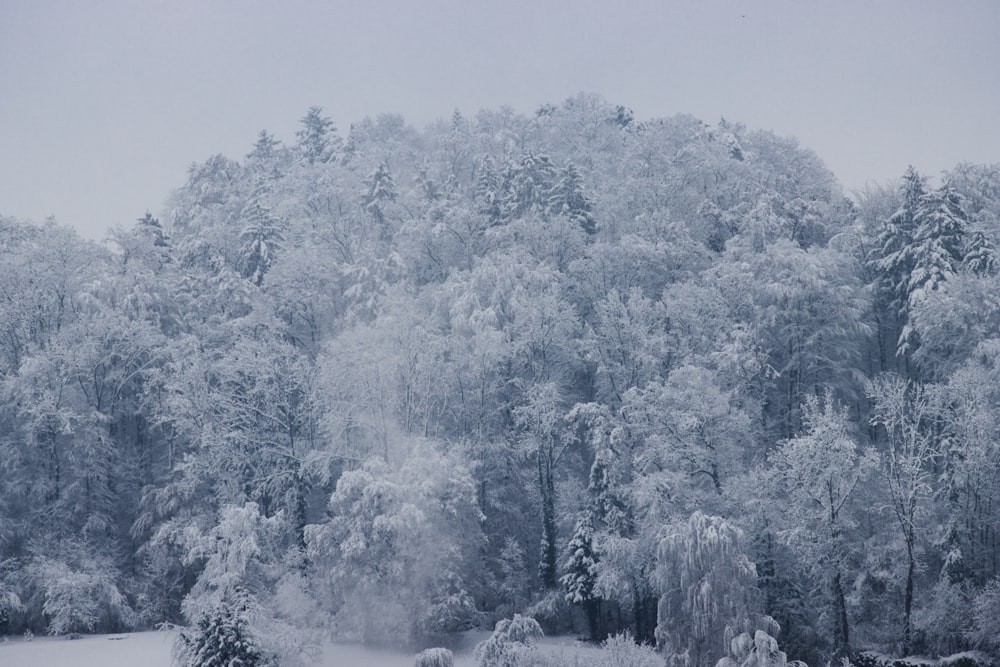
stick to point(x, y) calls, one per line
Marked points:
point(655, 376)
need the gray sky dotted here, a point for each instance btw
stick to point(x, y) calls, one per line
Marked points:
point(104, 104)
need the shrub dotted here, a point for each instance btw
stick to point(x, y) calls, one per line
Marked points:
point(220, 639)
point(81, 598)
point(510, 644)
point(622, 651)
point(435, 657)
point(759, 651)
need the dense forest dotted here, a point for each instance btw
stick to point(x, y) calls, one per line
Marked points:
point(657, 377)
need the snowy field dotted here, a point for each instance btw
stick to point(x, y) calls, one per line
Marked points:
point(152, 649)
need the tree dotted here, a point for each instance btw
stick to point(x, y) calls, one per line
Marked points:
point(541, 420)
point(398, 554)
point(512, 641)
point(938, 243)
point(568, 198)
point(820, 471)
point(581, 574)
point(909, 414)
point(708, 591)
point(316, 139)
point(221, 639)
point(893, 255)
point(262, 236)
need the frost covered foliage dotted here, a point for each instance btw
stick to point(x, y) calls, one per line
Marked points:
point(761, 650)
point(621, 651)
point(581, 574)
point(235, 555)
point(393, 556)
point(617, 651)
point(708, 590)
point(514, 583)
point(434, 657)
point(511, 644)
point(986, 617)
point(221, 638)
point(75, 594)
point(244, 587)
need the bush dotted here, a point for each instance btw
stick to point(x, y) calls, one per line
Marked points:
point(986, 617)
point(622, 651)
point(435, 657)
point(82, 597)
point(554, 613)
point(761, 650)
point(511, 643)
point(220, 639)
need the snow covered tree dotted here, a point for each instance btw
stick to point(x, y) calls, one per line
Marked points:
point(567, 197)
point(893, 256)
point(938, 244)
point(221, 638)
point(381, 192)
point(760, 650)
point(511, 643)
point(262, 236)
point(434, 657)
point(397, 554)
point(909, 413)
point(708, 592)
point(514, 585)
point(316, 139)
point(542, 420)
point(820, 471)
point(581, 573)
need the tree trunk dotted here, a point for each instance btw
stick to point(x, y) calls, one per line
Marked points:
point(842, 646)
point(908, 599)
point(548, 557)
point(592, 608)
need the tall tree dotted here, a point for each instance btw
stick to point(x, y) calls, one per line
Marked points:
point(909, 413)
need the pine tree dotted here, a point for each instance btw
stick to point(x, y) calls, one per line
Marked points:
point(221, 639)
point(938, 243)
point(568, 198)
point(262, 236)
point(315, 142)
point(381, 192)
point(894, 260)
point(581, 576)
point(265, 146)
point(149, 222)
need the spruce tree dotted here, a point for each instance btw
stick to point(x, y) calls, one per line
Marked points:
point(581, 575)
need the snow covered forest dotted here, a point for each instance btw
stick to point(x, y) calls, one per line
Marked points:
point(657, 377)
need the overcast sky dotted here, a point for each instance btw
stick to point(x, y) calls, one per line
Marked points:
point(104, 104)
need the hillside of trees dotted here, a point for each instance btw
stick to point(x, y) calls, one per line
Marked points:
point(386, 384)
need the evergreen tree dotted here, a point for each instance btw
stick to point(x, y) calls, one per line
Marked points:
point(938, 243)
point(148, 222)
point(581, 575)
point(568, 198)
point(221, 639)
point(316, 140)
point(381, 192)
point(265, 147)
point(894, 258)
point(262, 236)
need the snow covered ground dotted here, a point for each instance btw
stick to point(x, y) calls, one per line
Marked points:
point(146, 649)
point(152, 649)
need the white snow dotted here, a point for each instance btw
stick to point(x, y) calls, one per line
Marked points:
point(148, 649)
point(152, 649)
